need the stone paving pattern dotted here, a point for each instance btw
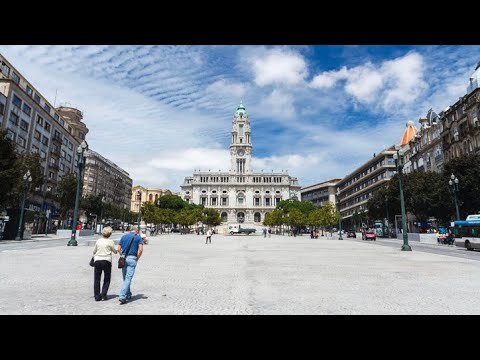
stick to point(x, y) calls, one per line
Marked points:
point(180, 274)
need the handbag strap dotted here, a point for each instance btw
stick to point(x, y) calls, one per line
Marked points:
point(129, 245)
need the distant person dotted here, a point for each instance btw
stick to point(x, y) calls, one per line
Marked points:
point(131, 246)
point(264, 232)
point(209, 237)
point(144, 239)
point(102, 254)
point(269, 232)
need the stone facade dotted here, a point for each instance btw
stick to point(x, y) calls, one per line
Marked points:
point(426, 150)
point(320, 193)
point(103, 177)
point(140, 195)
point(36, 126)
point(359, 186)
point(240, 195)
point(461, 122)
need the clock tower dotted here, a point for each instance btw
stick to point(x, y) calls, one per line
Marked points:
point(241, 146)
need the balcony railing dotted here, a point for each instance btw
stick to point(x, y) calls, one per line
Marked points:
point(57, 138)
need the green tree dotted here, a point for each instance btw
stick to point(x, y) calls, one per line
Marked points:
point(304, 206)
point(425, 194)
point(211, 217)
point(296, 218)
point(174, 202)
point(13, 167)
point(149, 213)
point(187, 217)
point(467, 170)
point(8, 175)
point(330, 215)
point(314, 218)
point(66, 190)
point(92, 205)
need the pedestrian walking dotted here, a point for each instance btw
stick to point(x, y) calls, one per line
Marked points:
point(130, 246)
point(269, 232)
point(209, 237)
point(102, 256)
point(264, 232)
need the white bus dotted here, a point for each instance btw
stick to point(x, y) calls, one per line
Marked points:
point(467, 232)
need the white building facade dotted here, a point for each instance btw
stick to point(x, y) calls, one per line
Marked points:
point(240, 195)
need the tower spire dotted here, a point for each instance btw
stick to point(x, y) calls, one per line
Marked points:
point(241, 147)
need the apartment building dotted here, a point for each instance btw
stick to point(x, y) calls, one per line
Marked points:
point(36, 126)
point(103, 177)
point(320, 193)
point(360, 185)
point(460, 121)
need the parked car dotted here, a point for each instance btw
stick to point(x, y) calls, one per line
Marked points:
point(369, 235)
point(351, 233)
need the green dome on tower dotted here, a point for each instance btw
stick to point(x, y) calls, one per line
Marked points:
point(241, 110)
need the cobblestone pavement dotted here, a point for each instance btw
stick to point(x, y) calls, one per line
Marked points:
point(180, 274)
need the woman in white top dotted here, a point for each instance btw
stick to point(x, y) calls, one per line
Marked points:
point(102, 253)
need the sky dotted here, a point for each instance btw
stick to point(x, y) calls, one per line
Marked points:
point(159, 112)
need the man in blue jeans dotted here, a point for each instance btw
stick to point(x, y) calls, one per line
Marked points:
point(135, 251)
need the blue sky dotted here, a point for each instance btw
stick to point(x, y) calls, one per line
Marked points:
point(160, 112)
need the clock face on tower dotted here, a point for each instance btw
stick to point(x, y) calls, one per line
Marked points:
point(241, 152)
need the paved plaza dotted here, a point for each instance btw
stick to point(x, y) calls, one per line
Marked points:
point(180, 274)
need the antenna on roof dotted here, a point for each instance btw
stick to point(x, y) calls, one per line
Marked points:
point(55, 101)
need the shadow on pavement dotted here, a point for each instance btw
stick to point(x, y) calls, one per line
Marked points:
point(137, 297)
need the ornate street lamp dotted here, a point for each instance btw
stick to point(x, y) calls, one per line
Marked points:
point(27, 179)
point(340, 218)
point(399, 165)
point(80, 163)
point(453, 182)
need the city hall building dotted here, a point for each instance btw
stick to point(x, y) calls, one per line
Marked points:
point(240, 195)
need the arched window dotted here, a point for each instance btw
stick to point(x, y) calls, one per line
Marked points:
point(241, 199)
point(257, 217)
point(224, 216)
point(150, 197)
point(156, 197)
point(240, 217)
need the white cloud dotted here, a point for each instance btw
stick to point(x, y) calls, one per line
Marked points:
point(222, 87)
point(160, 120)
point(278, 66)
point(279, 104)
point(328, 79)
point(393, 83)
point(203, 158)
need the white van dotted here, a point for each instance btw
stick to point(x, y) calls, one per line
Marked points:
point(237, 229)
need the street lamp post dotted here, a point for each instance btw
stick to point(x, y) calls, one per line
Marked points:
point(81, 162)
point(453, 182)
point(399, 165)
point(27, 179)
point(139, 194)
point(340, 218)
point(388, 220)
point(101, 211)
point(123, 217)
